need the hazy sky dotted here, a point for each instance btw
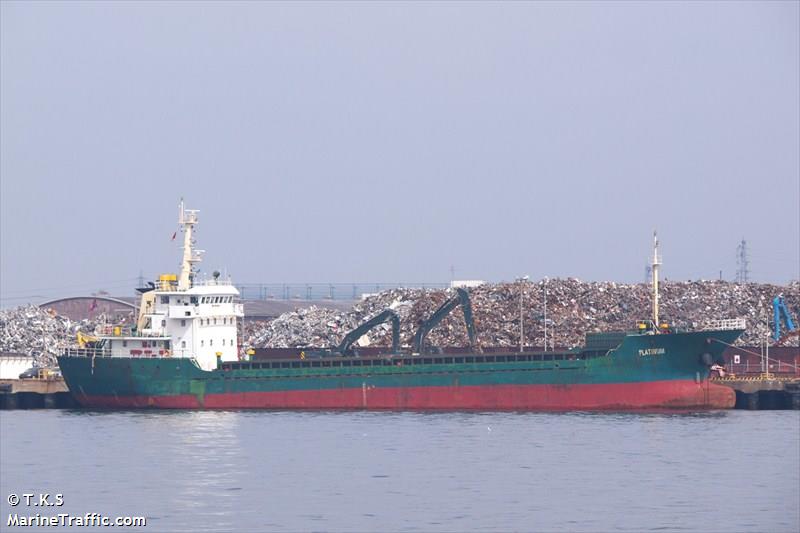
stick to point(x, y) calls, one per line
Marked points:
point(365, 142)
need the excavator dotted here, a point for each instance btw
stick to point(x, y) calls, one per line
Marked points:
point(345, 347)
point(460, 298)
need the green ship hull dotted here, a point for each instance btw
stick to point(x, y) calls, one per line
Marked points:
point(634, 371)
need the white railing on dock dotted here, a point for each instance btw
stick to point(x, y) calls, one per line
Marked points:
point(729, 323)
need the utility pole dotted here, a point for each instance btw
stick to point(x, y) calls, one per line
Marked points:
point(545, 313)
point(521, 281)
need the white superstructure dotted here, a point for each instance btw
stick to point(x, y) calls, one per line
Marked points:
point(182, 316)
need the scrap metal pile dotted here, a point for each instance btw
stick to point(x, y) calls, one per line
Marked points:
point(41, 333)
point(574, 308)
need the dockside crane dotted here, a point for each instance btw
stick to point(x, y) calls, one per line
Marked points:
point(460, 298)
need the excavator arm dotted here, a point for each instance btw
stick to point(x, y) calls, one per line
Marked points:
point(345, 347)
point(780, 312)
point(460, 298)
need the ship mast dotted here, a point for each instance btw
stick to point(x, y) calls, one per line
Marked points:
point(187, 218)
point(656, 264)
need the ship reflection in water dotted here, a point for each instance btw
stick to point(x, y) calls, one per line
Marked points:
point(366, 471)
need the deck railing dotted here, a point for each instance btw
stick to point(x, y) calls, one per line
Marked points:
point(105, 352)
point(728, 323)
point(87, 352)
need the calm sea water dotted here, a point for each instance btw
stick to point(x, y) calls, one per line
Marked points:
point(358, 471)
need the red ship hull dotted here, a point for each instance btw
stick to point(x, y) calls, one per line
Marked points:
point(671, 394)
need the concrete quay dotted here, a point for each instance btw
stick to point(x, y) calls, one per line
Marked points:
point(765, 391)
point(34, 394)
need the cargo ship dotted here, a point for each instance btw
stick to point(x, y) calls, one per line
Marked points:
point(184, 353)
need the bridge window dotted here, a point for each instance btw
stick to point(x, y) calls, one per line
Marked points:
point(165, 299)
point(215, 321)
point(124, 343)
point(193, 299)
point(183, 323)
point(223, 342)
point(202, 343)
point(211, 342)
point(183, 344)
